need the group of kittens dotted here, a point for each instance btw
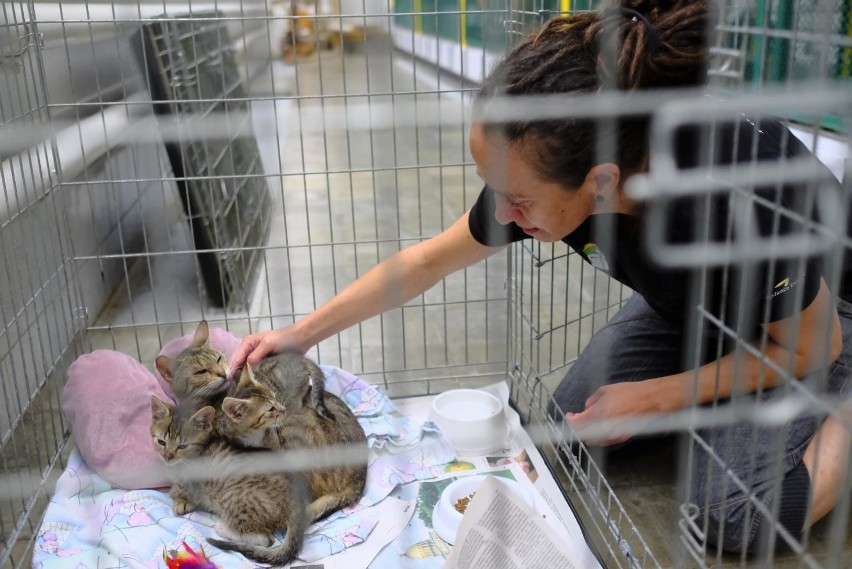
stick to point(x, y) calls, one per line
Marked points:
point(280, 404)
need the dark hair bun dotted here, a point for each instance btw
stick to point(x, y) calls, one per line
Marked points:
point(661, 43)
point(664, 43)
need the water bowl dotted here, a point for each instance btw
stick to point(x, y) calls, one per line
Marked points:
point(473, 421)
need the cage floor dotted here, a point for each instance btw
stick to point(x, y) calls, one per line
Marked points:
point(645, 481)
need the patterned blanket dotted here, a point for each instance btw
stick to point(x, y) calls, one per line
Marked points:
point(92, 524)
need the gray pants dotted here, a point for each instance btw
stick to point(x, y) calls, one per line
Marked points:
point(636, 345)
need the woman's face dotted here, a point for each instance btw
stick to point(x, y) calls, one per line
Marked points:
point(544, 210)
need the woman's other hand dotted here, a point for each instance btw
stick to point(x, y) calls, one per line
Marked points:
point(604, 420)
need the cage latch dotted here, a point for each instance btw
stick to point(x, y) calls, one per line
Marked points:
point(691, 534)
point(14, 47)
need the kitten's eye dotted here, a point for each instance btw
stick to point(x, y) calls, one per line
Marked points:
point(161, 442)
point(201, 372)
point(219, 360)
point(181, 447)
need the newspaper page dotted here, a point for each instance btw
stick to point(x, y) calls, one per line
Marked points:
point(518, 449)
point(411, 540)
point(522, 449)
point(500, 531)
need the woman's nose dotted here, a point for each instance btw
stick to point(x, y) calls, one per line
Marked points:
point(505, 211)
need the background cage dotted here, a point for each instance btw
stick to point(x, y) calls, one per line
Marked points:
point(362, 140)
point(191, 60)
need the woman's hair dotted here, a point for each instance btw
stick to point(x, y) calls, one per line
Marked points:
point(663, 43)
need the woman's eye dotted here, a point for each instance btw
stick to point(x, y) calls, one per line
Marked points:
point(201, 372)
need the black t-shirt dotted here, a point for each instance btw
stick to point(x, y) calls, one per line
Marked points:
point(737, 293)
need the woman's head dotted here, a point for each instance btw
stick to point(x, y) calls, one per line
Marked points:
point(662, 43)
point(542, 208)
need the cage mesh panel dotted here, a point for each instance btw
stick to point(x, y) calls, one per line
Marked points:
point(36, 291)
point(361, 151)
point(191, 69)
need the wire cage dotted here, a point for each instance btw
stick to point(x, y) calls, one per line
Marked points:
point(188, 61)
point(305, 141)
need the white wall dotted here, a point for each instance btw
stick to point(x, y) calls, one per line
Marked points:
point(377, 12)
point(831, 149)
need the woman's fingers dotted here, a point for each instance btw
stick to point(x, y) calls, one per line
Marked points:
point(246, 347)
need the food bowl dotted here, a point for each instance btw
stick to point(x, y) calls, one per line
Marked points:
point(472, 420)
point(445, 517)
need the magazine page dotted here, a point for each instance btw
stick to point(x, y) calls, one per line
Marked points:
point(419, 544)
point(498, 530)
point(518, 449)
point(533, 462)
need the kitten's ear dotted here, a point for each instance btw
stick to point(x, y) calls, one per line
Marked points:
point(164, 366)
point(246, 377)
point(234, 408)
point(202, 335)
point(203, 418)
point(159, 408)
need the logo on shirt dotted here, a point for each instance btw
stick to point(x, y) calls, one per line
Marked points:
point(596, 258)
point(783, 286)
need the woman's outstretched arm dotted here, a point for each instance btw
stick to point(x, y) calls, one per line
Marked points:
point(390, 284)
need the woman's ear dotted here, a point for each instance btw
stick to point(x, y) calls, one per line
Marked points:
point(606, 179)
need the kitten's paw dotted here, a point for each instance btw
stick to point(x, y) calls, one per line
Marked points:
point(257, 539)
point(230, 534)
point(181, 506)
point(225, 531)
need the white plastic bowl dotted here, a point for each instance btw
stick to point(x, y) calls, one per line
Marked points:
point(473, 421)
point(445, 517)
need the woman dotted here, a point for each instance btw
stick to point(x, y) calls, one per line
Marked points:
point(543, 181)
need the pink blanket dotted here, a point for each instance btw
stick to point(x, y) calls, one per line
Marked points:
point(107, 403)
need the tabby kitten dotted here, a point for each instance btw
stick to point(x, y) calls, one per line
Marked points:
point(251, 416)
point(304, 426)
point(199, 372)
point(296, 380)
point(250, 507)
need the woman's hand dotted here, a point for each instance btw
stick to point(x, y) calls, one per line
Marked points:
point(610, 405)
point(803, 343)
point(255, 347)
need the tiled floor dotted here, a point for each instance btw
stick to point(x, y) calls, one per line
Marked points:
point(349, 197)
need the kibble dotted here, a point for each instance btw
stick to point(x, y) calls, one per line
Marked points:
point(461, 503)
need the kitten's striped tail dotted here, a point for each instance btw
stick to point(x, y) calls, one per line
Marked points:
point(275, 556)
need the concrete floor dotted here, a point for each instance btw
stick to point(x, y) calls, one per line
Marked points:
point(349, 197)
